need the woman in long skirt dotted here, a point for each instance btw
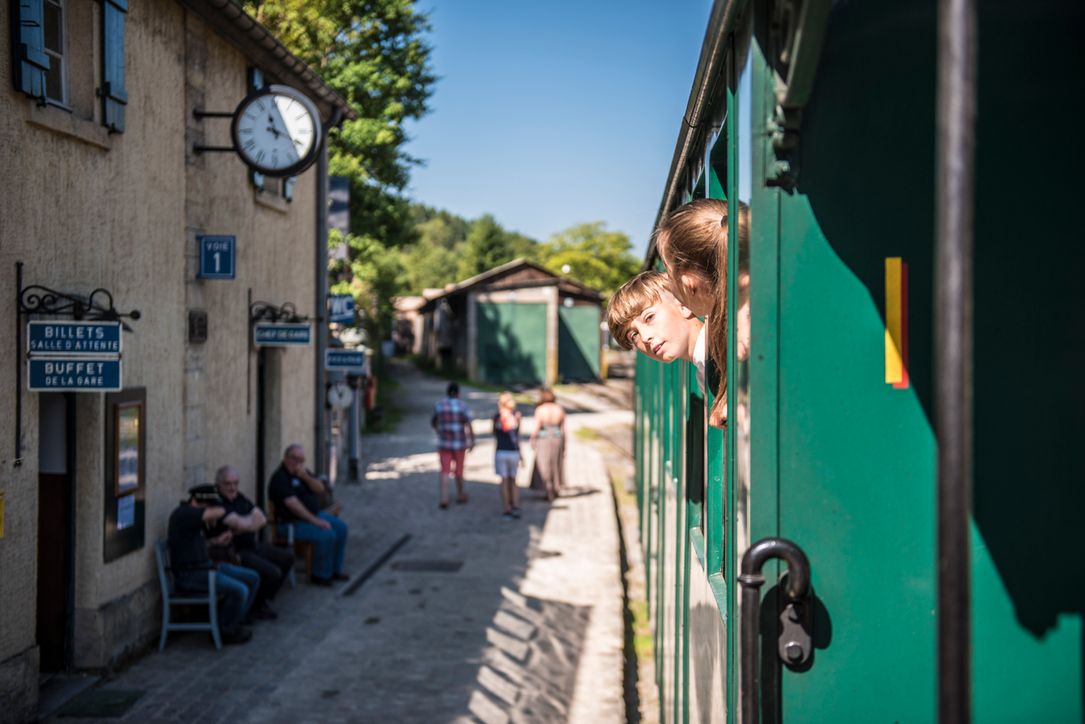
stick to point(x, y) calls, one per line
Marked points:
point(548, 441)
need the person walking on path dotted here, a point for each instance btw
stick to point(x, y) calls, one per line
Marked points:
point(507, 457)
point(452, 421)
point(548, 441)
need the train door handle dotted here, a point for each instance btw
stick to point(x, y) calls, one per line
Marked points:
point(795, 645)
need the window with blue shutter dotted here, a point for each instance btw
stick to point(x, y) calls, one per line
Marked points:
point(114, 96)
point(30, 58)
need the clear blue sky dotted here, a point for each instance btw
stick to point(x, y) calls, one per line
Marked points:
point(547, 114)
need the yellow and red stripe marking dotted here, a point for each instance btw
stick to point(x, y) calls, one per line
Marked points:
point(896, 322)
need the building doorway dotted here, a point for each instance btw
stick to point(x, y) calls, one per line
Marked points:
point(56, 534)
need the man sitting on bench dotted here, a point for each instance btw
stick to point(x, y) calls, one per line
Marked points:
point(296, 495)
point(245, 520)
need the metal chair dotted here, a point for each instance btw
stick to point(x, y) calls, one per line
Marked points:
point(171, 598)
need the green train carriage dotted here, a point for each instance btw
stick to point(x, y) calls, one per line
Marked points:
point(903, 437)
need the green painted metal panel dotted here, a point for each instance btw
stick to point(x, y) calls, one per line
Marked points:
point(855, 457)
point(578, 342)
point(842, 462)
point(511, 342)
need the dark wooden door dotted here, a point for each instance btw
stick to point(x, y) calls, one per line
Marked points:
point(56, 465)
point(53, 492)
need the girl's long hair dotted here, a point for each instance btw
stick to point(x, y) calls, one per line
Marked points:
point(695, 237)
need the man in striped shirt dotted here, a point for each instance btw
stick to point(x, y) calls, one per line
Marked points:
point(452, 421)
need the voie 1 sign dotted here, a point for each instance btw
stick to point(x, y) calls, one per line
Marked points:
point(73, 374)
point(73, 338)
point(282, 334)
point(218, 257)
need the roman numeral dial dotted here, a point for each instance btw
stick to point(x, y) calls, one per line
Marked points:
point(277, 131)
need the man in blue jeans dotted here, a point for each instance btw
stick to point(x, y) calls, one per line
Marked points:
point(296, 495)
point(190, 562)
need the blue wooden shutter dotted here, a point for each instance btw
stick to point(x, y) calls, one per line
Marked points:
point(31, 62)
point(114, 96)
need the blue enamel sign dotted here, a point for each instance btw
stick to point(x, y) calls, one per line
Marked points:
point(73, 374)
point(218, 257)
point(347, 360)
point(291, 334)
point(73, 338)
point(341, 309)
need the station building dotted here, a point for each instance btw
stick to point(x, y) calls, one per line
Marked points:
point(107, 192)
point(517, 323)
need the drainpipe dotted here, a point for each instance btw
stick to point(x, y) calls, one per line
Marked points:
point(321, 438)
point(955, 153)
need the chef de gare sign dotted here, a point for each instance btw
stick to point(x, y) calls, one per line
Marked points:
point(73, 356)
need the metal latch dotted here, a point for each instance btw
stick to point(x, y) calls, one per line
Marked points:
point(795, 644)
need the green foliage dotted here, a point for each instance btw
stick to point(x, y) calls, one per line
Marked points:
point(439, 225)
point(430, 264)
point(597, 257)
point(374, 274)
point(487, 246)
point(373, 53)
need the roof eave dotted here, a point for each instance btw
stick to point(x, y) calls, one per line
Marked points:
point(265, 50)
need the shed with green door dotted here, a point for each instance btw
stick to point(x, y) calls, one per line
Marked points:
point(516, 324)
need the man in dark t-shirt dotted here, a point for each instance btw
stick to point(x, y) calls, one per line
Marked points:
point(245, 519)
point(296, 496)
point(190, 562)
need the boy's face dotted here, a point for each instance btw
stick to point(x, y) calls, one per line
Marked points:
point(664, 331)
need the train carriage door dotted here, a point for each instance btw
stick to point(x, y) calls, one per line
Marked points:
point(829, 419)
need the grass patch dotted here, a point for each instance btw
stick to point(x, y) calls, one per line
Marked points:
point(588, 434)
point(387, 400)
point(642, 631)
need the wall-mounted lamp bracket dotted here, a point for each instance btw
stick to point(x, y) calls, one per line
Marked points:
point(36, 299)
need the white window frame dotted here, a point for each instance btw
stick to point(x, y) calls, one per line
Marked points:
point(61, 58)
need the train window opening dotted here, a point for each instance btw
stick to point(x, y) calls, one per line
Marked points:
point(711, 453)
point(738, 302)
point(699, 187)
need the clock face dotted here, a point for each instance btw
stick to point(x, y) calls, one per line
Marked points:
point(276, 131)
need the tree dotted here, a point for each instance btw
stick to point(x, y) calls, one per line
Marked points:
point(596, 257)
point(487, 246)
point(430, 264)
point(376, 276)
point(373, 53)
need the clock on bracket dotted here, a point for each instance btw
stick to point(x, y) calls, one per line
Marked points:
point(276, 131)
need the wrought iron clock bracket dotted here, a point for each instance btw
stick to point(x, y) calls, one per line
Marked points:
point(199, 115)
point(40, 300)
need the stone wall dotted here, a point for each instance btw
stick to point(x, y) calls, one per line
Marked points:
point(84, 209)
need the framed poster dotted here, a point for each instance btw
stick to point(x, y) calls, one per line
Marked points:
point(128, 447)
point(125, 472)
